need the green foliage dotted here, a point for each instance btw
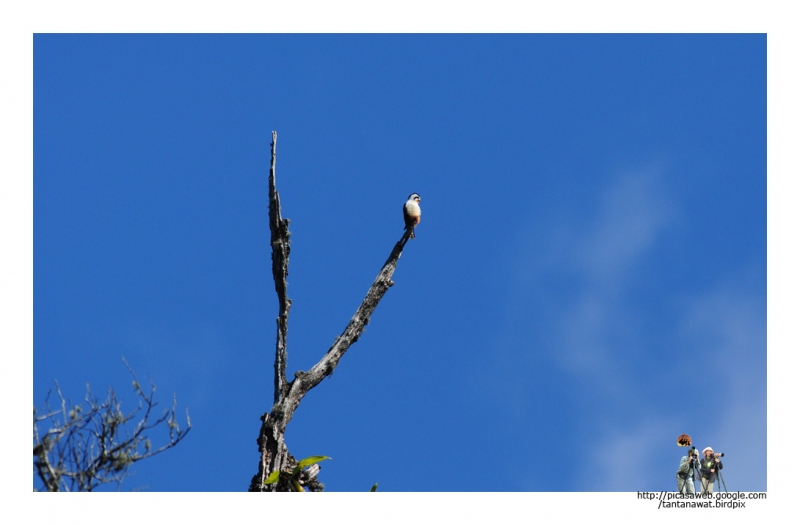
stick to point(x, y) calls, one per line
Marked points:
point(293, 476)
point(309, 461)
point(272, 478)
point(374, 488)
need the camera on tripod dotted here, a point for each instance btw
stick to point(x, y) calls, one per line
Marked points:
point(693, 456)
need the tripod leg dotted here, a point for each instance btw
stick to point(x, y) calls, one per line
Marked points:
point(723, 482)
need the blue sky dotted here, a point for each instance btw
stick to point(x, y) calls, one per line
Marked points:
point(588, 280)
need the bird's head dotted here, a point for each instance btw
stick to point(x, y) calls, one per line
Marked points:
point(414, 197)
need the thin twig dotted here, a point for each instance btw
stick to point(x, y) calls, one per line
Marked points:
point(85, 449)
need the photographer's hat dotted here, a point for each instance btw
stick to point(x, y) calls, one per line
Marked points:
point(708, 448)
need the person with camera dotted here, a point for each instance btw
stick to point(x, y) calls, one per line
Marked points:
point(685, 473)
point(710, 465)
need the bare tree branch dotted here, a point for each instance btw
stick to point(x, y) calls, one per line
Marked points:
point(305, 381)
point(274, 453)
point(279, 236)
point(86, 448)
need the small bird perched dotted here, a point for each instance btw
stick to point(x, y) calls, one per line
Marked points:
point(412, 212)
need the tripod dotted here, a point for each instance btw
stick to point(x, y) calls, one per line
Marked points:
point(686, 485)
point(696, 472)
point(720, 480)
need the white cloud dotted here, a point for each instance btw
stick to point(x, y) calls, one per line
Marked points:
point(633, 212)
point(727, 408)
point(729, 327)
point(602, 256)
point(630, 215)
point(592, 327)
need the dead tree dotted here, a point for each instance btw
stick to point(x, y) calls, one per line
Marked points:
point(275, 455)
point(84, 448)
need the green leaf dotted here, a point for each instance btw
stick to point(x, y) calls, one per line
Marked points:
point(297, 486)
point(272, 478)
point(308, 461)
point(374, 488)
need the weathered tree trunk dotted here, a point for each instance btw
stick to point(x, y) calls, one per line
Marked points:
point(274, 453)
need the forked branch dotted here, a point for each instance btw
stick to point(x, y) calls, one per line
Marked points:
point(305, 381)
point(274, 454)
